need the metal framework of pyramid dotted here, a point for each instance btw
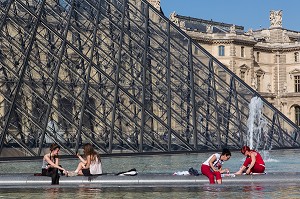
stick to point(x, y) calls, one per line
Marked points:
point(118, 74)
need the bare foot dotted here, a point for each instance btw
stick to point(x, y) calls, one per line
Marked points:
point(72, 173)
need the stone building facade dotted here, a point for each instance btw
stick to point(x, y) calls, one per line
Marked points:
point(266, 59)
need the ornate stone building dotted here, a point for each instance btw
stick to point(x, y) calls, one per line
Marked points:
point(266, 59)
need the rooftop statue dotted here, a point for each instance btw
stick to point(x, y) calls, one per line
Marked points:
point(276, 18)
point(173, 18)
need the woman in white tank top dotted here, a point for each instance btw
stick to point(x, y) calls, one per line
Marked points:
point(91, 165)
point(213, 166)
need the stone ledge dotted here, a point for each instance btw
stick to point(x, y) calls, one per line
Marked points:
point(144, 180)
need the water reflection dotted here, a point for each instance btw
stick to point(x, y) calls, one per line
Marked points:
point(52, 192)
point(276, 161)
point(254, 191)
point(288, 191)
point(280, 160)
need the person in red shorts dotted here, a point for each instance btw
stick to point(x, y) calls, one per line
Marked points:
point(213, 166)
point(253, 163)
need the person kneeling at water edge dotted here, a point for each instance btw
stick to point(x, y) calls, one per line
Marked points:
point(213, 166)
point(253, 163)
point(89, 166)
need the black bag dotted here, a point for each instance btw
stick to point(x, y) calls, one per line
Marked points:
point(193, 172)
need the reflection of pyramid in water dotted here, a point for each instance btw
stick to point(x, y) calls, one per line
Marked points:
point(121, 76)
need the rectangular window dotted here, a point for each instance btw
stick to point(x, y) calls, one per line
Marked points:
point(221, 50)
point(242, 51)
point(296, 57)
point(257, 56)
point(222, 74)
point(297, 115)
point(196, 50)
point(297, 83)
point(258, 82)
point(243, 75)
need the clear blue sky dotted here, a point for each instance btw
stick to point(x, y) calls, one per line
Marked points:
point(248, 13)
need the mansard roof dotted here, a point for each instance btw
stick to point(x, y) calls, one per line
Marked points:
point(266, 39)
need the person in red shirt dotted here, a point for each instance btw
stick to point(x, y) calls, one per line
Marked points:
point(253, 163)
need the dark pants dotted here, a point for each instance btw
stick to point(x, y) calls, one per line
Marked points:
point(53, 173)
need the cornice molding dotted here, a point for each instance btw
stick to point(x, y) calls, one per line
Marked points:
point(244, 67)
point(276, 49)
point(295, 72)
point(260, 72)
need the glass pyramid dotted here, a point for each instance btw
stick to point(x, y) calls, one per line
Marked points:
point(118, 74)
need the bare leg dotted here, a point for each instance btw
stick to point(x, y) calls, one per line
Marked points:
point(79, 168)
point(219, 181)
point(241, 170)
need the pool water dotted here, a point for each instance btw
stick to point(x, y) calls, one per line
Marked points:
point(276, 161)
point(216, 191)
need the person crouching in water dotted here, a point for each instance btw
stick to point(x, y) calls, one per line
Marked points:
point(91, 165)
point(213, 166)
point(253, 163)
point(51, 164)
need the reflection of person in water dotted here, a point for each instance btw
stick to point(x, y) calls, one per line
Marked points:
point(213, 166)
point(253, 163)
point(51, 193)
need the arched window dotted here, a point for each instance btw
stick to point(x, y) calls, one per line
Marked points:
point(297, 115)
point(221, 50)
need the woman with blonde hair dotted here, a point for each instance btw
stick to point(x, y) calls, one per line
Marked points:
point(91, 165)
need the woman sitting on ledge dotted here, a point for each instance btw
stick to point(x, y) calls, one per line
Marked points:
point(89, 166)
point(51, 164)
point(253, 163)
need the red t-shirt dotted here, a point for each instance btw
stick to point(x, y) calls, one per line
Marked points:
point(258, 157)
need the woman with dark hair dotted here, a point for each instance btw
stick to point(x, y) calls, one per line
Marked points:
point(51, 164)
point(213, 166)
point(253, 163)
point(91, 165)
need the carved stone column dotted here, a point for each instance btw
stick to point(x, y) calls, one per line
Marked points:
point(232, 59)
